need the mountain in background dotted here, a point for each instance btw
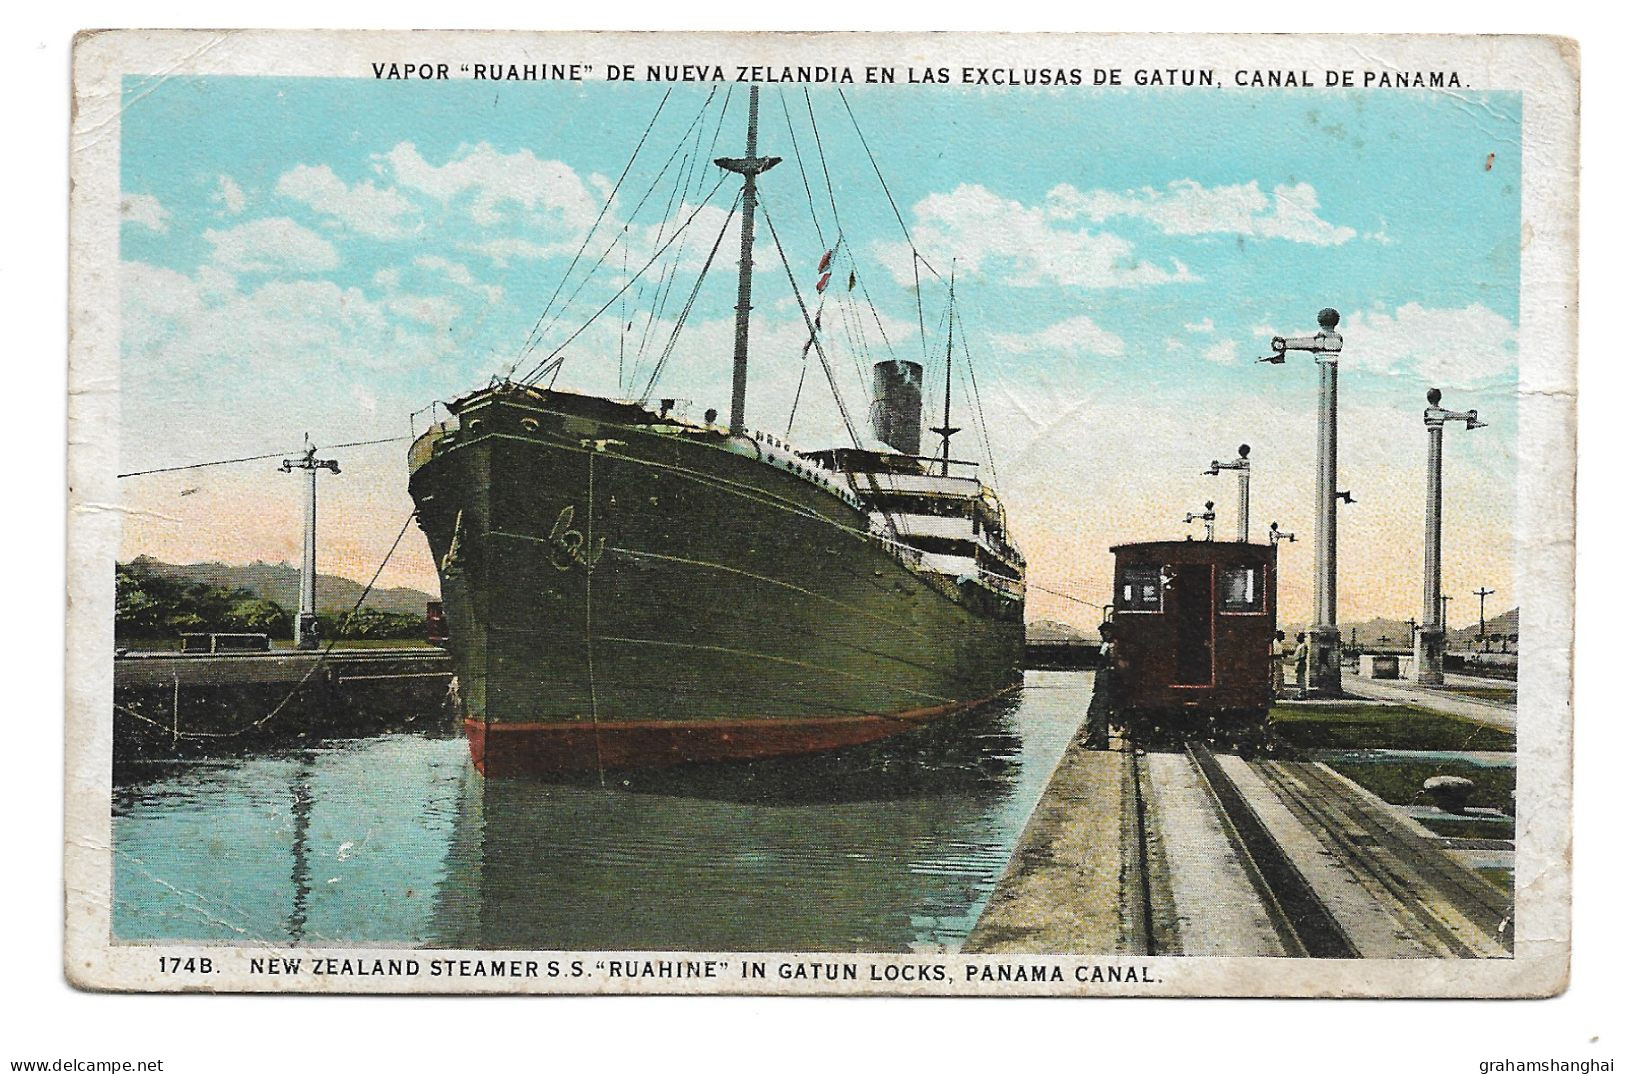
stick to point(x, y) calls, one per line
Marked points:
point(280, 582)
point(1465, 631)
point(1461, 636)
point(1050, 630)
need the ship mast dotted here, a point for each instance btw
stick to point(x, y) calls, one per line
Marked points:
point(749, 166)
point(946, 430)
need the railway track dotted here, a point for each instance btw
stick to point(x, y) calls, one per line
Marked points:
point(1307, 866)
point(1190, 850)
point(1307, 927)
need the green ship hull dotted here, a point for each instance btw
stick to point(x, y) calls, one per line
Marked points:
point(625, 589)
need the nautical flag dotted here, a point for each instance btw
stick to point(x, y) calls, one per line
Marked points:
point(823, 282)
point(851, 279)
point(825, 260)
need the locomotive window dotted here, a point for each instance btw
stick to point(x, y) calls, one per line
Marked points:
point(1241, 590)
point(1141, 590)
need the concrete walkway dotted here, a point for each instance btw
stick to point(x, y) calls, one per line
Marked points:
point(1062, 891)
point(1480, 681)
point(1488, 713)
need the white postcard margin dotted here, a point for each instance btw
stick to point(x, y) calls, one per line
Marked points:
point(1544, 70)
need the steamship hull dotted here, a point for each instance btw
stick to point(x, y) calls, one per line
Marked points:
point(622, 591)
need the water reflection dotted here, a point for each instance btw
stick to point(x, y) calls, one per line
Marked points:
point(397, 839)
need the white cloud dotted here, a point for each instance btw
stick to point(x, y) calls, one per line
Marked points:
point(1224, 352)
point(452, 270)
point(503, 252)
point(212, 280)
point(1075, 337)
point(1186, 207)
point(1449, 348)
point(154, 296)
point(1204, 325)
point(431, 310)
point(987, 233)
point(309, 354)
point(458, 274)
point(177, 327)
point(549, 189)
point(229, 194)
point(145, 210)
point(380, 212)
point(1379, 236)
point(273, 244)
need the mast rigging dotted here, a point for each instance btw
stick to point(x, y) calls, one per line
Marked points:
point(750, 166)
point(947, 429)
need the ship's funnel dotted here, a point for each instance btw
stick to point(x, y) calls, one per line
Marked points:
point(895, 414)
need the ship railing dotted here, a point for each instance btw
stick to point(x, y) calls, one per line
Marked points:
point(903, 553)
point(435, 422)
point(779, 453)
point(999, 583)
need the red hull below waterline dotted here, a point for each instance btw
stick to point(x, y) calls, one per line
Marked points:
point(540, 748)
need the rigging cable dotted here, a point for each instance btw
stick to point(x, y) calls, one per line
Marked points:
point(795, 403)
point(688, 173)
point(257, 458)
point(688, 308)
point(802, 168)
point(878, 175)
point(857, 353)
point(840, 232)
point(829, 374)
point(823, 160)
point(1064, 596)
point(534, 340)
point(668, 272)
point(916, 258)
point(859, 347)
point(976, 394)
point(601, 212)
point(541, 368)
point(823, 358)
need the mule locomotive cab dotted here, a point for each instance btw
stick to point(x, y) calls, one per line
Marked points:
point(1194, 623)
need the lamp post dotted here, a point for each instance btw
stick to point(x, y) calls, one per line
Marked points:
point(1244, 473)
point(1429, 663)
point(1206, 517)
point(1481, 592)
point(1325, 672)
point(1277, 535)
point(306, 634)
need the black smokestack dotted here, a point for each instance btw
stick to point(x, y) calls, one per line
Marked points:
point(896, 411)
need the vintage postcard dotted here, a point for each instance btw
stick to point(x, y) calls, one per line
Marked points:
point(821, 513)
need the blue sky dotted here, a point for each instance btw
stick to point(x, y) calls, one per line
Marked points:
point(332, 254)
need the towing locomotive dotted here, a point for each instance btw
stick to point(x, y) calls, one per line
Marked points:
point(1193, 634)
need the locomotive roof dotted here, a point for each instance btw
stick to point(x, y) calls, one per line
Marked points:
point(1195, 551)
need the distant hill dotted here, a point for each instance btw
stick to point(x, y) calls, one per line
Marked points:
point(1398, 631)
point(1050, 630)
point(1466, 629)
point(280, 582)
